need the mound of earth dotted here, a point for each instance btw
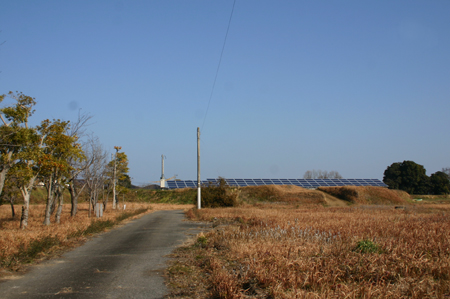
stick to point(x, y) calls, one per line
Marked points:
point(367, 194)
point(288, 193)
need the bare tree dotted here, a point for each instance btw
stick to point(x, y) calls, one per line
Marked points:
point(77, 186)
point(319, 174)
point(95, 174)
point(334, 175)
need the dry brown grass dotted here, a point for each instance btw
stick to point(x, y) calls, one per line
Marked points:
point(368, 195)
point(283, 252)
point(284, 193)
point(13, 239)
point(327, 196)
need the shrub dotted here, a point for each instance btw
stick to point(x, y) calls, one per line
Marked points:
point(367, 246)
point(218, 194)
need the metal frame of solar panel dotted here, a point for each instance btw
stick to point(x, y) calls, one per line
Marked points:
point(305, 183)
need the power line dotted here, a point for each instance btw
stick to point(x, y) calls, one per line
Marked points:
point(218, 66)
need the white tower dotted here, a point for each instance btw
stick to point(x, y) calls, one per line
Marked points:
point(163, 179)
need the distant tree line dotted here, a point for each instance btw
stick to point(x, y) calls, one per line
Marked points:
point(57, 154)
point(411, 177)
point(321, 174)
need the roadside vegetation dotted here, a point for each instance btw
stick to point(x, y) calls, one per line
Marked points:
point(20, 247)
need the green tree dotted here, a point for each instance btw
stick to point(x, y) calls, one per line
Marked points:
point(26, 170)
point(59, 150)
point(392, 176)
point(125, 181)
point(14, 131)
point(440, 183)
point(408, 176)
point(117, 170)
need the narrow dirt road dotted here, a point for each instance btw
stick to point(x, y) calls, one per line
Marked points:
point(127, 262)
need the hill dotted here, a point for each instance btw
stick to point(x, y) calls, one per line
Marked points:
point(288, 193)
point(368, 194)
point(330, 196)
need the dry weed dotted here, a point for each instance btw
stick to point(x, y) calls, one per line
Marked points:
point(13, 239)
point(368, 194)
point(312, 252)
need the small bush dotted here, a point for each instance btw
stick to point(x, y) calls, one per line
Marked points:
point(202, 240)
point(367, 246)
point(218, 194)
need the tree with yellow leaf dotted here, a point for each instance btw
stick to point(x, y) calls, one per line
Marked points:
point(14, 131)
point(117, 171)
point(58, 151)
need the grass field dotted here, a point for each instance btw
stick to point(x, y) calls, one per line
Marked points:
point(280, 242)
point(282, 251)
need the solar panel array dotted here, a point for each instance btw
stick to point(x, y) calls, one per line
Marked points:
point(305, 183)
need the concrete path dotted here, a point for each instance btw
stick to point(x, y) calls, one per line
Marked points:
point(127, 262)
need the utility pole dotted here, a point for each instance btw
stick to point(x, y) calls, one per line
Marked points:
point(199, 196)
point(117, 148)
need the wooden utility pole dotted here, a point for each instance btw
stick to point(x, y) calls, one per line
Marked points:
point(199, 191)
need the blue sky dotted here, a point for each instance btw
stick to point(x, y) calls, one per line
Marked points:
point(350, 86)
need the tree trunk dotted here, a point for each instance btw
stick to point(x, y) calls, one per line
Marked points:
point(11, 202)
point(60, 198)
point(105, 200)
point(48, 211)
point(94, 199)
point(90, 206)
point(25, 190)
point(25, 207)
point(73, 200)
point(74, 195)
point(4, 171)
point(53, 205)
point(50, 199)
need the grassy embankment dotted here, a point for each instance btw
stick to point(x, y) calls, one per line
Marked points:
point(381, 245)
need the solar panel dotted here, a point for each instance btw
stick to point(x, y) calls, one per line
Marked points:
point(241, 183)
point(305, 183)
point(191, 184)
point(250, 182)
point(180, 184)
point(259, 182)
point(171, 185)
point(232, 182)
